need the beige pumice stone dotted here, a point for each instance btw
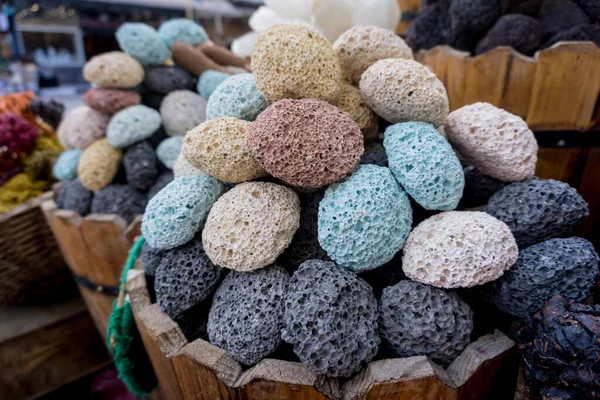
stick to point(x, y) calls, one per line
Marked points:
point(362, 46)
point(251, 225)
point(401, 90)
point(182, 167)
point(98, 165)
point(86, 126)
point(459, 249)
point(114, 69)
point(494, 141)
point(352, 102)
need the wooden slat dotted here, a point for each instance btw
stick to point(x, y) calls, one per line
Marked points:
point(566, 86)
point(486, 76)
point(519, 85)
point(589, 189)
point(558, 163)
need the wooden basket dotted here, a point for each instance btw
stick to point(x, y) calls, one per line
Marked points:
point(557, 89)
point(487, 368)
point(32, 268)
point(95, 248)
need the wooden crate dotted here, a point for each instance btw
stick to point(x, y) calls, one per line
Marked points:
point(487, 368)
point(557, 89)
point(95, 248)
point(43, 348)
point(32, 268)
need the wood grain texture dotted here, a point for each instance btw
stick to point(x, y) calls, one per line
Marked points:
point(518, 85)
point(486, 76)
point(559, 163)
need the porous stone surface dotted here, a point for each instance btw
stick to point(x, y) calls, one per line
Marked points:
point(208, 82)
point(168, 150)
point(404, 90)
point(459, 249)
point(388, 274)
point(580, 33)
point(219, 148)
point(98, 165)
point(284, 60)
point(478, 188)
point(185, 276)
point(425, 165)
point(420, 320)
point(131, 125)
point(331, 319)
point(150, 259)
point(364, 219)
point(182, 30)
point(163, 180)
point(521, 32)
point(375, 154)
point(114, 69)
point(362, 46)
point(251, 225)
point(181, 111)
point(305, 244)
point(351, 102)
point(538, 209)
point(559, 15)
point(556, 267)
point(164, 79)
point(182, 166)
point(258, 294)
point(179, 210)
point(591, 8)
point(110, 101)
point(142, 42)
point(470, 19)
point(494, 141)
point(140, 165)
point(73, 196)
point(123, 200)
point(65, 167)
point(431, 27)
point(238, 97)
point(85, 127)
point(306, 142)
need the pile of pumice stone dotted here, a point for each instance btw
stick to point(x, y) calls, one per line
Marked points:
point(122, 145)
point(284, 237)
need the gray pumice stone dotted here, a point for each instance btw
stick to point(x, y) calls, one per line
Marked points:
point(479, 187)
point(150, 259)
point(140, 165)
point(75, 197)
point(123, 200)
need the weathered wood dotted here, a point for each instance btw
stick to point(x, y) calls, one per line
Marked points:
point(518, 85)
point(486, 76)
point(44, 348)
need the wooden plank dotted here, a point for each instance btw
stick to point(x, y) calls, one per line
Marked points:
point(558, 163)
point(589, 190)
point(486, 76)
point(566, 87)
point(456, 78)
point(519, 85)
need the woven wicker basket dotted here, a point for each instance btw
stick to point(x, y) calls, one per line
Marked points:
point(32, 268)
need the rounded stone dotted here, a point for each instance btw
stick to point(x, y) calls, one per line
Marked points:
point(351, 101)
point(185, 276)
point(219, 148)
point(404, 90)
point(470, 19)
point(331, 319)
point(364, 219)
point(580, 33)
point(142, 42)
point(494, 141)
point(163, 180)
point(98, 165)
point(122, 200)
point(182, 30)
point(424, 163)
point(430, 28)
point(179, 210)
point(238, 97)
point(131, 125)
point(209, 81)
point(537, 209)
point(521, 32)
point(182, 166)
point(164, 80)
point(181, 111)
point(242, 294)
point(140, 165)
point(114, 69)
point(306, 142)
point(110, 101)
point(251, 225)
point(420, 320)
point(168, 150)
point(65, 167)
point(64, 128)
point(459, 249)
point(362, 46)
point(85, 127)
point(73, 196)
point(591, 8)
point(150, 259)
point(478, 188)
point(559, 15)
point(295, 61)
point(556, 267)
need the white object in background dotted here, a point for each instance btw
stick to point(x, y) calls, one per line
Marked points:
point(263, 18)
point(382, 13)
point(242, 46)
point(292, 9)
point(333, 17)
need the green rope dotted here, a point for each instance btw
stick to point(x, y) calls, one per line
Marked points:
point(124, 340)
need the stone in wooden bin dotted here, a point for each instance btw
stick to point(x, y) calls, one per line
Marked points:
point(486, 369)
